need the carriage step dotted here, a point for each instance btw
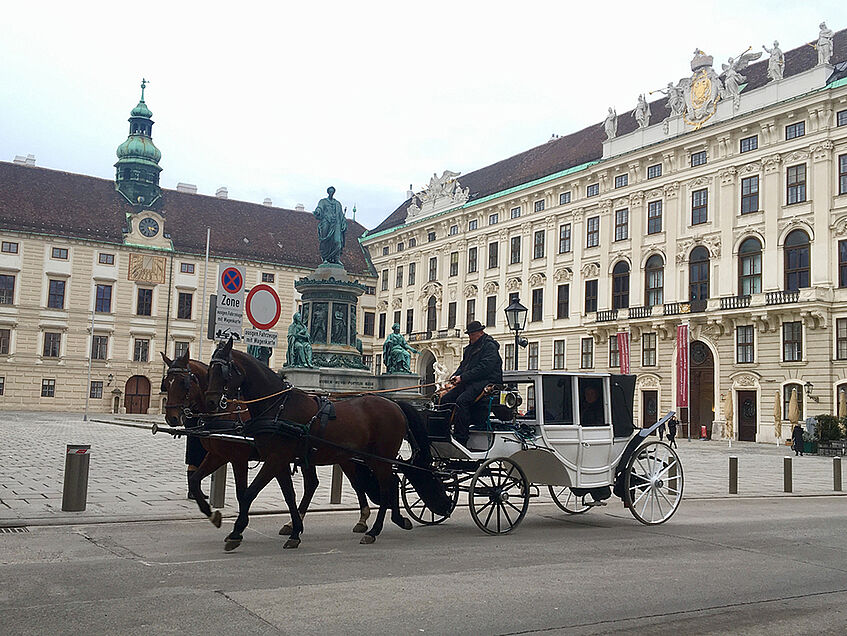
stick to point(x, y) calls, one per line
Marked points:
point(592, 504)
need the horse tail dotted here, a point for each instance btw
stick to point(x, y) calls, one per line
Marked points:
point(428, 486)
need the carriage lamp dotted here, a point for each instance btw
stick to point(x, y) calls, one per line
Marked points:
point(516, 319)
point(809, 386)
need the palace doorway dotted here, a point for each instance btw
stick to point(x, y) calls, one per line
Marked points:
point(137, 395)
point(702, 384)
point(746, 416)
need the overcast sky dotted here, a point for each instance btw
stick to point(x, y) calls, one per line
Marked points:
point(282, 99)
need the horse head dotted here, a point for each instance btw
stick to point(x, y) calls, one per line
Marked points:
point(224, 377)
point(183, 388)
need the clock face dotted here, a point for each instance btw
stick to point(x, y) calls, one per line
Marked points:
point(148, 227)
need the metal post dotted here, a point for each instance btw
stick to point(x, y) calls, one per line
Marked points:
point(203, 304)
point(90, 352)
point(335, 489)
point(75, 490)
point(836, 473)
point(217, 494)
point(517, 346)
point(787, 484)
point(733, 475)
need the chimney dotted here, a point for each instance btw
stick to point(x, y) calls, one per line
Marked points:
point(222, 193)
point(410, 193)
point(29, 160)
point(267, 201)
point(190, 188)
point(300, 207)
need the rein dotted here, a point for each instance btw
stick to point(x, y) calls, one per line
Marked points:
point(401, 388)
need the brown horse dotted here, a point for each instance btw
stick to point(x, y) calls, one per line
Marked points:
point(286, 426)
point(185, 383)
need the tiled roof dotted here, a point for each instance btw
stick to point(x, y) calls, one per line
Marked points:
point(78, 206)
point(587, 144)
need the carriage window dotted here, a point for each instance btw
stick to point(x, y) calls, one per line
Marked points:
point(526, 410)
point(557, 392)
point(591, 409)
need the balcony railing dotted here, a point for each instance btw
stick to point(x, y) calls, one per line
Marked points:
point(420, 336)
point(782, 297)
point(640, 312)
point(607, 315)
point(735, 302)
point(674, 309)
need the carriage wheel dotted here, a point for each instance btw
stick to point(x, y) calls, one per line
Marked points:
point(416, 507)
point(499, 496)
point(653, 483)
point(564, 498)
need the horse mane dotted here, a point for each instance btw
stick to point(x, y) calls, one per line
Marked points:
point(245, 361)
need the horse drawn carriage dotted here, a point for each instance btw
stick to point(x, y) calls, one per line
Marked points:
point(576, 438)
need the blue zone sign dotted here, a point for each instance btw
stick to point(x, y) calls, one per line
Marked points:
point(230, 307)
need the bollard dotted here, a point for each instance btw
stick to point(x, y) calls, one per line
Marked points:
point(733, 475)
point(75, 491)
point(217, 494)
point(787, 485)
point(335, 490)
point(836, 473)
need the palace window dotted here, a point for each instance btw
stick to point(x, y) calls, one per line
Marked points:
point(795, 182)
point(413, 242)
point(100, 347)
point(841, 118)
point(385, 251)
point(183, 306)
point(621, 180)
point(538, 244)
point(786, 399)
point(95, 392)
point(744, 344)
point(614, 352)
point(654, 217)
point(792, 131)
point(491, 311)
point(5, 341)
point(412, 268)
point(842, 264)
point(470, 310)
point(750, 194)
point(473, 224)
point(454, 263)
point(590, 296)
point(539, 205)
point(558, 354)
point(842, 174)
point(592, 231)
point(369, 320)
point(56, 294)
point(654, 171)
point(592, 190)
point(398, 278)
point(9, 247)
point(384, 280)
point(453, 231)
point(537, 305)
point(451, 315)
point(401, 246)
point(586, 353)
point(48, 388)
point(622, 224)
point(433, 268)
point(698, 274)
point(565, 197)
point(840, 339)
point(792, 341)
point(750, 267)
point(515, 250)
point(430, 237)
point(620, 285)
point(515, 212)
point(472, 260)
point(493, 219)
point(267, 277)
point(797, 257)
point(141, 351)
point(188, 268)
point(60, 253)
point(564, 238)
point(648, 350)
point(698, 158)
point(52, 344)
point(7, 289)
point(532, 356)
point(180, 347)
point(509, 356)
point(382, 319)
point(699, 207)
point(654, 273)
point(410, 321)
point(492, 255)
point(749, 143)
point(563, 294)
point(2, 385)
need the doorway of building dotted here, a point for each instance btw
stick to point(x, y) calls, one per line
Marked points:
point(649, 408)
point(137, 395)
point(746, 416)
point(702, 388)
point(427, 371)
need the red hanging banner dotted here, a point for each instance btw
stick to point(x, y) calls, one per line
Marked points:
point(682, 365)
point(623, 351)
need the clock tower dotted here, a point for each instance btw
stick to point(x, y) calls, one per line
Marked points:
point(137, 169)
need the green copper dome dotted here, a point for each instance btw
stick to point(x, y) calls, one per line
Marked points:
point(138, 147)
point(141, 110)
point(137, 168)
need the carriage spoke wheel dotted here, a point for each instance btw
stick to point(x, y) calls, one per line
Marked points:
point(653, 483)
point(416, 507)
point(564, 498)
point(498, 496)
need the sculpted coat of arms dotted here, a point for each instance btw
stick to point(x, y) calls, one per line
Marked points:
point(701, 91)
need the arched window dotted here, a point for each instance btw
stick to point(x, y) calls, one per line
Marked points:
point(654, 276)
point(620, 285)
point(797, 259)
point(431, 318)
point(750, 267)
point(698, 274)
point(786, 399)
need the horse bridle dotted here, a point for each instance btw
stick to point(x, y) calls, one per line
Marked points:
point(186, 377)
point(225, 367)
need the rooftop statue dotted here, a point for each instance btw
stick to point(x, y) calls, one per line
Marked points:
point(396, 352)
point(676, 99)
point(332, 227)
point(299, 344)
point(776, 62)
point(642, 112)
point(824, 44)
point(611, 124)
point(732, 77)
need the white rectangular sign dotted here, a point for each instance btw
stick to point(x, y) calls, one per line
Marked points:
point(260, 337)
point(230, 309)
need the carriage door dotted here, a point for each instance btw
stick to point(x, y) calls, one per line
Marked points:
point(137, 395)
point(595, 432)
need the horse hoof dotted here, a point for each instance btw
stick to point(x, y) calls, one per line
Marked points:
point(286, 529)
point(360, 527)
point(406, 525)
point(291, 543)
point(231, 545)
point(367, 539)
point(215, 518)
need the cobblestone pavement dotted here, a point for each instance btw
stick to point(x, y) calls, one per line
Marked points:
point(135, 475)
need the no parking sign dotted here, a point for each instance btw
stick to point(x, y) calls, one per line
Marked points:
point(230, 309)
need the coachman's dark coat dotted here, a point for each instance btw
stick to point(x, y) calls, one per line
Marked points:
point(481, 362)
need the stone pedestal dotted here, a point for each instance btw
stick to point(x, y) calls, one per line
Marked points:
point(398, 381)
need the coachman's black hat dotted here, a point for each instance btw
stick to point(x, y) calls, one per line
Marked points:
point(474, 326)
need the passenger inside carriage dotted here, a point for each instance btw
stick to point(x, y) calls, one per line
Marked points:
point(591, 407)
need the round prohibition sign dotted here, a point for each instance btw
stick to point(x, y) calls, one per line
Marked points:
point(263, 306)
point(231, 280)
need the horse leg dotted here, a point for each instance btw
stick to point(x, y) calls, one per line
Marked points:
point(310, 485)
point(394, 502)
point(349, 469)
point(245, 499)
point(388, 495)
point(210, 464)
point(284, 478)
point(239, 472)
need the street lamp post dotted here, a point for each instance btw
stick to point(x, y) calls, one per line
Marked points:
point(516, 319)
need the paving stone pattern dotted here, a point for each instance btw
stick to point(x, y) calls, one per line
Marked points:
point(136, 475)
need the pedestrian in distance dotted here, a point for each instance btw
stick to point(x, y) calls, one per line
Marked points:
point(662, 432)
point(797, 439)
point(672, 426)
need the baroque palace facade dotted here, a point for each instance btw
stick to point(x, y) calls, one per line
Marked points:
point(723, 206)
point(129, 258)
